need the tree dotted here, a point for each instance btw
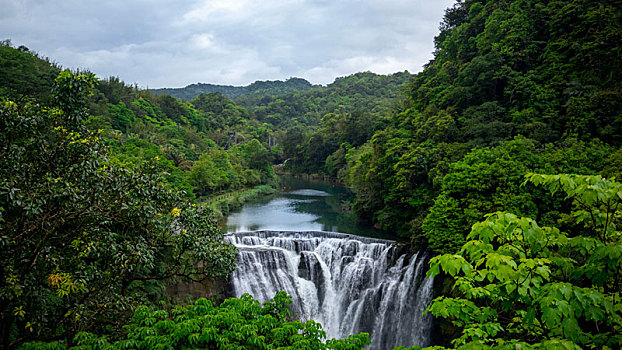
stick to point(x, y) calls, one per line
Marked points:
point(254, 155)
point(69, 94)
point(83, 239)
point(489, 179)
point(485, 180)
point(122, 117)
point(522, 285)
point(213, 172)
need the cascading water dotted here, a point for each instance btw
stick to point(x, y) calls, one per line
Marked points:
point(349, 284)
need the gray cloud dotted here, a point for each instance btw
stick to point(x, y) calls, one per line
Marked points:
point(175, 43)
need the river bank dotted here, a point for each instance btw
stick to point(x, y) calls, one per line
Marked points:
point(223, 204)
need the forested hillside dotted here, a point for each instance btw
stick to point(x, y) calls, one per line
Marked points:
point(266, 126)
point(514, 87)
point(186, 140)
point(517, 90)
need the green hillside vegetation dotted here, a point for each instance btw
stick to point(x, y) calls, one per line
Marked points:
point(514, 87)
point(367, 92)
point(184, 136)
point(318, 123)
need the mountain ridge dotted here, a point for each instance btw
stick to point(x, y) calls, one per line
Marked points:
point(258, 87)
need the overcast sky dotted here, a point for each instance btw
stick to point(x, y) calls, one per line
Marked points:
point(173, 43)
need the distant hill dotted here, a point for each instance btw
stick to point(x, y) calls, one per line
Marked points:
point(276, 87)
point(363, 92)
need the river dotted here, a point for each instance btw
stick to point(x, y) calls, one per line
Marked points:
point(301, 205)
point(349, 283)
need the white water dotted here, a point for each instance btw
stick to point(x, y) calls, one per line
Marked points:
point(349, 284)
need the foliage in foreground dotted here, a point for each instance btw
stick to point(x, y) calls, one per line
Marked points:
point(241, 323)
point(524, 286)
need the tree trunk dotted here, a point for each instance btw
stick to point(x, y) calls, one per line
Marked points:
point(5, 332)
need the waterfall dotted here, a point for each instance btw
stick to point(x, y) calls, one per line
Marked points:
point(349, 284)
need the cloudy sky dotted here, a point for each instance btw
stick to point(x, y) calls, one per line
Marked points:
point(173, 43)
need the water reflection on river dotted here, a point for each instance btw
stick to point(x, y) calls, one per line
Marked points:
point(301, 205)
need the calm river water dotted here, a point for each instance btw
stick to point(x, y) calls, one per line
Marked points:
point(301, 205)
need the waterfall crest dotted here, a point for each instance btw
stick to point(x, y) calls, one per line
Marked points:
point(349, 284)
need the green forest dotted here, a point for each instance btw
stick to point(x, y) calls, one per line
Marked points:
point(501, 157)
